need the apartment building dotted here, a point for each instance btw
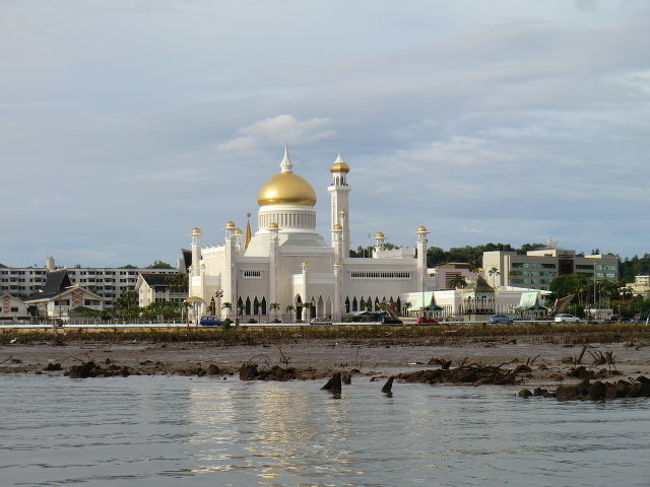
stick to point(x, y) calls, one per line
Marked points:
point(108, 282)
point(537, 268)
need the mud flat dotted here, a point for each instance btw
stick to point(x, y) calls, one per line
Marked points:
point(531, 355)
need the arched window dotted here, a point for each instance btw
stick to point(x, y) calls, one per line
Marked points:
point(263, 305)
point(347, 305)
point(355, 306)
point(298, 307)
point(247, 308)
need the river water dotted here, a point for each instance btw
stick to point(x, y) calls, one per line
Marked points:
point(169, 431)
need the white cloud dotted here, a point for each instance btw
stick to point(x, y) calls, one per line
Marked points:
point(237, 144)
point(279, 130)
point(456, 151)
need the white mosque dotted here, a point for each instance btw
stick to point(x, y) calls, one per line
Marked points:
point(286, 269)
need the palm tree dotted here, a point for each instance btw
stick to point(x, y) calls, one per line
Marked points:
point(274, 307)
point(458, 281)
point(227, 306)
point(290, 309)
point(494, 273)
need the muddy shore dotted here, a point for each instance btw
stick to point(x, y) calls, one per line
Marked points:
point(548, 356)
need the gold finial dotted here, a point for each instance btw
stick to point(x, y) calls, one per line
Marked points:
point(379, 235)
point(273, 226)
point(422, 229)
point(196, 231)
point(338, 226)
point(230, 224)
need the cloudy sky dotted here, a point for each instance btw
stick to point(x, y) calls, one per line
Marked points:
point(124, 124)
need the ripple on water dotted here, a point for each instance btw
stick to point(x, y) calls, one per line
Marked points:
point(158, 430)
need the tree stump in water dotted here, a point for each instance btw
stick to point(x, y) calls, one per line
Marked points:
point(388, 386)
point(334, 384)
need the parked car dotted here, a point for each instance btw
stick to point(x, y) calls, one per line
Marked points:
point(210, 321)
point(639, 317)
point(320, 321)
point(425, 320)
point(389, 320)
point(566, 318)
point(494, 319)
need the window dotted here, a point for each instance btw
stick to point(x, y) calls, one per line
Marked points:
point(379, 275)
point(252, 274)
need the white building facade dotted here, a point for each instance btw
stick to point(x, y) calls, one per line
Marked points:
point(288, 270)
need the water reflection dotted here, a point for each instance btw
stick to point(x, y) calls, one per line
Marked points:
point(155, 431)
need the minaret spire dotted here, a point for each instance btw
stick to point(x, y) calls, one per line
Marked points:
point(286, 165)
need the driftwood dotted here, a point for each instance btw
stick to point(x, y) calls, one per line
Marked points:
point(92, 369)
point(250, 371)
point(595, 391)
point(476, 374)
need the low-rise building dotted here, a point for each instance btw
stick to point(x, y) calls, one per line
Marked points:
point(640, 286)
point(59, 299)
point(152, 288)
point(537, 268)
point(13, 309)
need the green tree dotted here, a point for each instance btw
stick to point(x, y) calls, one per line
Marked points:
point(165, 310)
point(570, 284)
point(159, 264)
point(177, 283)
point(458, 281)
point(367, 251)
point(128, 299)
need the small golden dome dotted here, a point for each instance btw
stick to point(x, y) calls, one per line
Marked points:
point(379, 235)
point(273, 226)
point(237, 231)
point(338, 226)
point(339, 165)
point(196, 231)
point(230, 224)
point(422, 229)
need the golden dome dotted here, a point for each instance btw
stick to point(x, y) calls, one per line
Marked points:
point(273, 226)
point(286, 188)
point(237, 231)
point(230, 224)
point(379, 235)
point(338, 226)
point(196, 231)
point(422, 229)
point(339, 165)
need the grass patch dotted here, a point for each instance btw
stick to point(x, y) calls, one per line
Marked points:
point(579, 333)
